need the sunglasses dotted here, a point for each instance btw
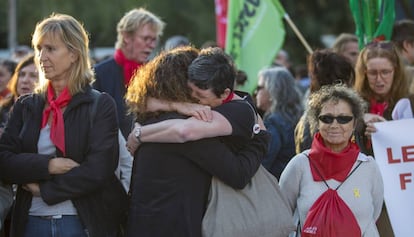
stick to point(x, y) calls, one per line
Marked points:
point(341, 119)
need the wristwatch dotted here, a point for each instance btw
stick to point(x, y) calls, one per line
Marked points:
point(137, 133)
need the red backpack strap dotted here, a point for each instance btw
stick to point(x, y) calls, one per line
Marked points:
point(320, 175)
point(350, 173)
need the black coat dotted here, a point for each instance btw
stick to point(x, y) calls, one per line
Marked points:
point(96, 193)
point(170, 182)
point(110, 79)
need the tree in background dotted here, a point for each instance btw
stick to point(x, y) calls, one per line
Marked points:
point(193, 19)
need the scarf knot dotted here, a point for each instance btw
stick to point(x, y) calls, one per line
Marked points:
point(331, 165)
point(377, 107)
point(57, 128)
point(129, 66)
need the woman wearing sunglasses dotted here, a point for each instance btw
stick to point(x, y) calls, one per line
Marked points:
point(325, 68)
point(334, 162)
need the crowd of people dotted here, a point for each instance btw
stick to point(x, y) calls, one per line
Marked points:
point(129, 146)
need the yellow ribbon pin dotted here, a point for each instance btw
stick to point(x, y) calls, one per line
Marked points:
point(356, 193)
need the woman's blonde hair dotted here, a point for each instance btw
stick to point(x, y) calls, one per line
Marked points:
point(73, 35)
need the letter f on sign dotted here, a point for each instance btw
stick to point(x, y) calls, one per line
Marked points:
point(404, 179)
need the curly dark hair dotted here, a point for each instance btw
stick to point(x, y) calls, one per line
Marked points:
point(164, 77)
point(328, 68)
point(334, 93)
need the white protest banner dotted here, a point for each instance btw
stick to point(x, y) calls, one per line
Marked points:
point(393, 145)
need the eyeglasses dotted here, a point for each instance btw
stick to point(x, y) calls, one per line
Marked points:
point(148, 39)
point(258, 88)
point(341, 119)
point(383, 73)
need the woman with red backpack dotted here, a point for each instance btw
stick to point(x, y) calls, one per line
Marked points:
point(334, 188)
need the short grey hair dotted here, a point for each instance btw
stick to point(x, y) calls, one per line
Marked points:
point(176, 41)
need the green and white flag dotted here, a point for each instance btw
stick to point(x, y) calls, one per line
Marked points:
point(255, 33)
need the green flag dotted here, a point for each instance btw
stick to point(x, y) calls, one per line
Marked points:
point(374, 19)
point(255, 33)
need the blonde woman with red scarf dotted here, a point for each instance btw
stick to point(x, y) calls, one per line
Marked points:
point(333, 172)
point(63, 165)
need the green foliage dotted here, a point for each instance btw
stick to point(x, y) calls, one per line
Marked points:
point(194, 19)
point(314, 19)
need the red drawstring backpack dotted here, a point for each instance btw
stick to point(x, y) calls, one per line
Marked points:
point(330, 216)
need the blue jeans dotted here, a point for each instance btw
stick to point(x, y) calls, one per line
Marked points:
point(66, 226)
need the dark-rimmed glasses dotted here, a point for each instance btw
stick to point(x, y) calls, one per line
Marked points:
point(341, 119)
point(383, 73)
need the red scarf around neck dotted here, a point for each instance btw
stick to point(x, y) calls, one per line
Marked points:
point(331, 165)
point(57, 128)
point(5, 93)
point(377, 107)
point(228, 98)
point(129, 66)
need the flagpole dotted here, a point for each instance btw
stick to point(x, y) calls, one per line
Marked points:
point(297, 32)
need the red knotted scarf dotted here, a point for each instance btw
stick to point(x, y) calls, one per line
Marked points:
point(57, 128)
point(331, 165)
point(129, 66)
point(5, 93)
point(377, 107)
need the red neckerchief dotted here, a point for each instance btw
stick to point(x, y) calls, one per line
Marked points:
point(377, 107)
point(331, 165)
point(129, 66)
point(57, 128)
point(5, 93)
point(229, 98)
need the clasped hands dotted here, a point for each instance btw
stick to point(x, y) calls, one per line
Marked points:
point(58, 165)
point(198, 111)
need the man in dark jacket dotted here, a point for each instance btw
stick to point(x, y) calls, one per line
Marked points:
point(138, 34)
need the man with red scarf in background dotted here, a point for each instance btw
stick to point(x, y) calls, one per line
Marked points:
point(137, 34)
